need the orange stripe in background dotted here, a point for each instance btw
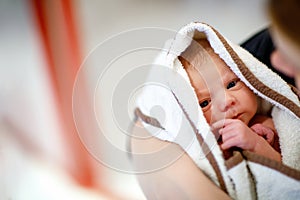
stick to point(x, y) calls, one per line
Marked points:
point(58, 34)
point(55, 23)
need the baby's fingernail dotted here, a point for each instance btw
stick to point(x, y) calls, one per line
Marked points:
point(221, 131)
point(222, 147)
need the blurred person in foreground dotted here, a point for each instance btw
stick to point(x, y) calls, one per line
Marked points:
point(285, 32)
point(278, 46)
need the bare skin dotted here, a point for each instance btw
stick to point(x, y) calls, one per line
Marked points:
point(181, 179)
point(286, 57)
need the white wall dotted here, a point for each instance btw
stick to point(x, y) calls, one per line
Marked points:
point(236, 19)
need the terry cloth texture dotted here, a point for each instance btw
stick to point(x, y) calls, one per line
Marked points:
point(180, 119)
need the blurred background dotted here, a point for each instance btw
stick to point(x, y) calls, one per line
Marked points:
point(46, 150)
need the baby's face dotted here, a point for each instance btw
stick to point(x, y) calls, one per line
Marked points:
point(220, 92)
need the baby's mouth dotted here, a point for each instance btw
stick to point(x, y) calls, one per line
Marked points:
point(233, 115)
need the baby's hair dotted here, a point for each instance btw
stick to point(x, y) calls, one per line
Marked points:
point(195, 54)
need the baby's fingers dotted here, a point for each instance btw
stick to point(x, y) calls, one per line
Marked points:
point(221, 124)
point(228, 144)
point(269, 135)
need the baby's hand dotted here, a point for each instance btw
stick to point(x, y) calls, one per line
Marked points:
point(265, 132)
point(236, 133)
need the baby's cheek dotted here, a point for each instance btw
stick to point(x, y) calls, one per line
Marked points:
point(215, 116)
point(212, 117)
point(207, 116)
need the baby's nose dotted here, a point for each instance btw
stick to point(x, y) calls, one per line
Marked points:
point(227, 102)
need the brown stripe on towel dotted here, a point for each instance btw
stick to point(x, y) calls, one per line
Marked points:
point(234, 160)
point(154, 122)
point(206, 150)
point(256, 83)
point(278, 166)
point(296, 91)
point(147, 119)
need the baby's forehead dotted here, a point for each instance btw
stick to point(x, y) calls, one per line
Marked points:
point(213, 75)
point(216, 73)
point(201, 56)
point(214, 64)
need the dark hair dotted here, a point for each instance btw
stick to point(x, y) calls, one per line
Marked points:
point(285, 15)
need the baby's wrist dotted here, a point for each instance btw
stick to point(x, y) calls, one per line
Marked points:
point(262, 147)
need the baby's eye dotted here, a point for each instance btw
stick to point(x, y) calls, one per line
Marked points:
point(204, 103)
point(232, 83)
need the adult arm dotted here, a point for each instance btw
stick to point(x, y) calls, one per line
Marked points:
point(178, 178)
